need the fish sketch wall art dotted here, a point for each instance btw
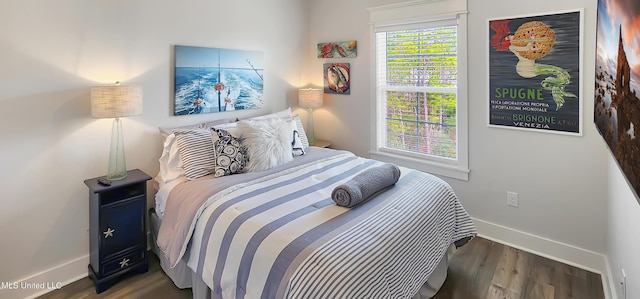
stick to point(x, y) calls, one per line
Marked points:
point(211, 80)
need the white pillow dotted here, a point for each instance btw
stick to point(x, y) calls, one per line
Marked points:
point(268, 143)
point(170, 164)
point(280, 114)
point(165, 131)
point(232, 128)
point(297, 145)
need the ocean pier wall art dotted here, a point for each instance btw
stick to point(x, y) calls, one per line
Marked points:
point(209, 80)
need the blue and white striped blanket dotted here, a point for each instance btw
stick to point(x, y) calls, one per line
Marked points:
point(282, 236)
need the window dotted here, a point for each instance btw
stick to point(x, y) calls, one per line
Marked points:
point(418, 88)
point(420, 91)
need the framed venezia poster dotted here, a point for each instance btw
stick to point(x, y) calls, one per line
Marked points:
point(534, 77)
point(617, 100)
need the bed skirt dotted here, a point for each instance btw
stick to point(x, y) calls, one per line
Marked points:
point(183, 277)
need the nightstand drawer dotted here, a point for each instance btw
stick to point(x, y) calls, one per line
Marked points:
point(122, 226)
point(122, 262)
point(110, 196)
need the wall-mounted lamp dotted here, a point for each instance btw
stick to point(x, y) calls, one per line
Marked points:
point(116, 101)
point(310, 98)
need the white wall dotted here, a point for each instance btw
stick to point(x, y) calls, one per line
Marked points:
point(52, 52)
point(624, 229)
point(561, 179)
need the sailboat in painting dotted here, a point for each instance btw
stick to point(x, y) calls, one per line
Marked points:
point(211, 80)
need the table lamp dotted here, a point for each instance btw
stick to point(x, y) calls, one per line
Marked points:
point(310, 98)
point(116, 101)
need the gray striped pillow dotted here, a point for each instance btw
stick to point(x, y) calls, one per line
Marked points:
point(303, 136)
point(196, 152)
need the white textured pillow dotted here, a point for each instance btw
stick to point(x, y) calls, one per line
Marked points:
point(297, 145)
point(268, 143)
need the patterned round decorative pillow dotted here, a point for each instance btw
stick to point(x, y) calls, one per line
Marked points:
point(231, 155)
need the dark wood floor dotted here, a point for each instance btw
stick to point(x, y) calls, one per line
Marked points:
point(482, 269)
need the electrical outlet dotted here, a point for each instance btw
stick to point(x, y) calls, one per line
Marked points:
point(512, 199)
point(624, 284)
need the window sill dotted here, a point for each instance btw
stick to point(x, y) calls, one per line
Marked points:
point(432, 167)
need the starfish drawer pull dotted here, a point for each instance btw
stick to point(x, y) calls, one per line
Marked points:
point(124, 263)
point(108, 233)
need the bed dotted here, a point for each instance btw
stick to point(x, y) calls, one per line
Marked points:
point(277, 232)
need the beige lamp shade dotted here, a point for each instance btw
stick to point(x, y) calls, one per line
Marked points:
point(310, 98)
point(116, 101)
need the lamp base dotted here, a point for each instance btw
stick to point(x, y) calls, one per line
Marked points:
point(311, 135)
point(117, 168)
point(116, 176)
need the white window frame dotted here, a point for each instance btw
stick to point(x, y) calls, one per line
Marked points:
point(404, 16)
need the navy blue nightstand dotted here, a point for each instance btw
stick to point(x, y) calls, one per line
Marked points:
point(117, 228)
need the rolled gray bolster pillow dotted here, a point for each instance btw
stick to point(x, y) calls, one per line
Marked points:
point(365, 184)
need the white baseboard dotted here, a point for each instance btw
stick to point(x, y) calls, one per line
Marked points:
point(551, 249)
point(609, 285)
point(46, 281)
